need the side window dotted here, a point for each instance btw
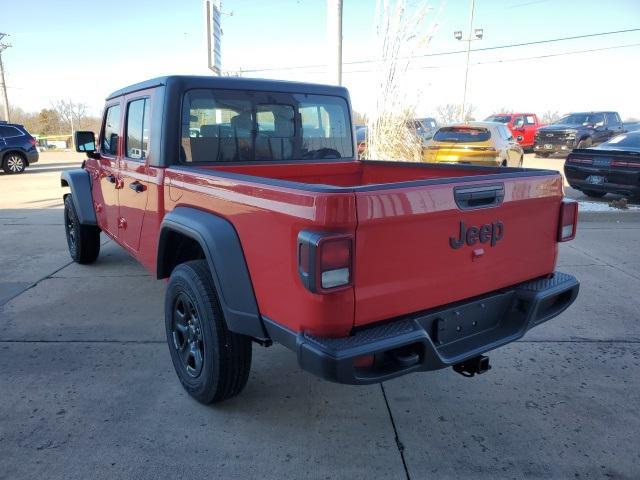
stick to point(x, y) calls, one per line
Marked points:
point(8, 132)
point(137, 136)
point(529, 120)
point(597, 119)
point(518, 119)
point(111, 130)
point(612, 119)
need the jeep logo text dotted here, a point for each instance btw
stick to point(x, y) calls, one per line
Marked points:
point(489, 232)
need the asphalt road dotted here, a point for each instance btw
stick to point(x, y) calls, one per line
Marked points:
point(87, 389)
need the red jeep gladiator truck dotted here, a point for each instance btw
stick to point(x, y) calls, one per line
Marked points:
point(248, 198)
point(523, 126)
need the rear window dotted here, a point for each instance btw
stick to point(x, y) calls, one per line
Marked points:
point(239, 126)
point(627, 140)
point(462, 135)
point(498, 118)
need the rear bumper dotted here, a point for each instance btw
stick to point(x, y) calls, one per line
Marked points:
point(32, 156)
point(433, 339)
point(620, 181)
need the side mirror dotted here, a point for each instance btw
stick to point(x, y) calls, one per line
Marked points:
point(85, 142)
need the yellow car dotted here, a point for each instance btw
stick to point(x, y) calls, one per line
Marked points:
point(476, 143)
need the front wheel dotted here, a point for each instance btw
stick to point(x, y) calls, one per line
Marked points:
point(83, 240)
point(584, 143)
point(212, 362)
point(14, 163)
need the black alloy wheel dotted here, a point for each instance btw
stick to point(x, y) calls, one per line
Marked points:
point(186, 331)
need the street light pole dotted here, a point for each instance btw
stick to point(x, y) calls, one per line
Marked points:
point(4, 46)
point(466, 70)
point(478, 33)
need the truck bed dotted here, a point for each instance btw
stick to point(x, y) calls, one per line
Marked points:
point(350, 175)
point(404, 218)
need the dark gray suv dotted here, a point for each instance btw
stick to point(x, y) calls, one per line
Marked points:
point(17, 148)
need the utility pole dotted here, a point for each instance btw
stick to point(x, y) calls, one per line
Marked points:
point(4, 46)
point(334, 37)
point(478, 33)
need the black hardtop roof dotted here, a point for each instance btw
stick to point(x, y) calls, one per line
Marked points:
point(232, 83)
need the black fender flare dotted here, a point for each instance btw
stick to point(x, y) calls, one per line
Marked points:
point(223, 251)
point(79, 181)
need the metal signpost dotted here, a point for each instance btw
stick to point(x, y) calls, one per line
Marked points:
point(213, 32)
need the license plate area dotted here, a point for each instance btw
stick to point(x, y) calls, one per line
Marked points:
point(596, 179)
point(461, 321)
point(602, 162)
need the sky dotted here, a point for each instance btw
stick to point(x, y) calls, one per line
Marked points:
point(84, 50)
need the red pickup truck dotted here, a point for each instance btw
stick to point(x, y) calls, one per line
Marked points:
point(523, 126)
point(247, 197)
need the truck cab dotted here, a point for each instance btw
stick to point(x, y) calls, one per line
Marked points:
point(577, 130)
point(523, 126)
point(247, 198)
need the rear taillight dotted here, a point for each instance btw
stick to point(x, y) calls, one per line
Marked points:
point(586, 161)
point(568, 220)
point(622, 163)
point(325, 261)
point(33, 141)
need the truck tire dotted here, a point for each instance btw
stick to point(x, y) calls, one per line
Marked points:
point(14, 163)
point(212, 362)
point(83, 240)
point(585, 143)
point(594, 193)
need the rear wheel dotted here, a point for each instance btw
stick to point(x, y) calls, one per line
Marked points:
point(14, 163)
point(83, 240)
point(212, 362)
point(594, 193)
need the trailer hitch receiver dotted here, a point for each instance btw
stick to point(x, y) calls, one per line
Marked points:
point(475, 365)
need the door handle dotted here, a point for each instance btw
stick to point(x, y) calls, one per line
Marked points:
point(136, 187)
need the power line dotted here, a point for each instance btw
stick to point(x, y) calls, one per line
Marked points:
point(452, 52)
point(573, 52)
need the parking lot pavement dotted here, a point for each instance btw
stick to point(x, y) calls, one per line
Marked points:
point(87, 388)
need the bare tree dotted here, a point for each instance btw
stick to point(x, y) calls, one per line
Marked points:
point(72, 114)
point(401, 33)
point(550, 116)
point(450, 113)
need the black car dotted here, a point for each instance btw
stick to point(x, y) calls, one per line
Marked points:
point(577, 130)
point(17, 148)
point(613, 167)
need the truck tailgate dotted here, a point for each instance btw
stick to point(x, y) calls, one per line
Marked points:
point(410, 256)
